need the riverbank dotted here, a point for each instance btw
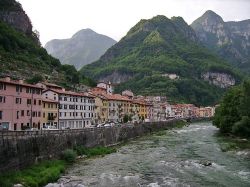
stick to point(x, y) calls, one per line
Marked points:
point(233, 143)
point(20, 149)
point(44, 169)
point(45, 172)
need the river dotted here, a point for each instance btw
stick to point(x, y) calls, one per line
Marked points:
point(172, 158)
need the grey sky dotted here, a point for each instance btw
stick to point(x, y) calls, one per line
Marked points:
point(57, 19)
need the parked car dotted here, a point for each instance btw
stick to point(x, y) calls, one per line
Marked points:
point(100, 125)
point(107, 125)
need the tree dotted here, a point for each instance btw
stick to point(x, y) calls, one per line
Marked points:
point(233, 115)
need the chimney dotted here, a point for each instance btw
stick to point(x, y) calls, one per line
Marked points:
point(20, 81)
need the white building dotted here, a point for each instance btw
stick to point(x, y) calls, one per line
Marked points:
point(76, 110)
point(169, 112)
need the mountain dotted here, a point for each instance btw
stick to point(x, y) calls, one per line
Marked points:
point(162, 56)
point(21, 55)
point(231, 40)
point(82, 48)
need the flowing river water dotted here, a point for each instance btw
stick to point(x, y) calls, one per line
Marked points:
point(174, 158)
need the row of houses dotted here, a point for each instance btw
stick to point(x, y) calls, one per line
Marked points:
point(47, 105)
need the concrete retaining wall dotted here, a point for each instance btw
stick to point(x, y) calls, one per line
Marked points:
point(19, 149)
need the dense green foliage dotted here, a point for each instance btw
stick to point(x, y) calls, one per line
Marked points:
point(95, 151)
point(69, 155)
point(161, 46)
point(233, 114)
point(35, 176)
point(21, 57)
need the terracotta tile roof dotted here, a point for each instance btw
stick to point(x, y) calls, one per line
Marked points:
point(51, 84)
point(84, 94)
point(18, 83)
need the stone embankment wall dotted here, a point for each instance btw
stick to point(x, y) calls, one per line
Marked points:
point(19, 149)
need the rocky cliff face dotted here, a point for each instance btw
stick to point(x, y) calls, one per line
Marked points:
point(116, 77)
point(221, 80)
point(12, 13)
point(18, 20)
point(231, 40)
point(82, 48)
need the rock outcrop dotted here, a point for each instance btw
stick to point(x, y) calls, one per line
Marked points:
point(221, 80)
point(12, 13)
point(231, 40)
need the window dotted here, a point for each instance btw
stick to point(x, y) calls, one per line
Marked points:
point(28, 101)
point(22, 112)
point(38, 91)
point(39, 114)
point(2, 86)
point(18, 100)
point(43, 105)
point(65, 98)
point(65, 107)
point(18, 88)
point(43, 114)
point(28, 113)
point(1, 114)
point(2, 99)
point(17, 114)
point(34, 101)
point(40, 102)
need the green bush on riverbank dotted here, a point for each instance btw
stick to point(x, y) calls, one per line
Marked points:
point(34, 176)
point(95, 151)
point(233, 114)
point(49, 171)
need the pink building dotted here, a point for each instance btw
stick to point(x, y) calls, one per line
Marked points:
point(20, 105)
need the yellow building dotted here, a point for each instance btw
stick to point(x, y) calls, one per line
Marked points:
point(50, 114)
point(142, 110)
point(101, 109)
